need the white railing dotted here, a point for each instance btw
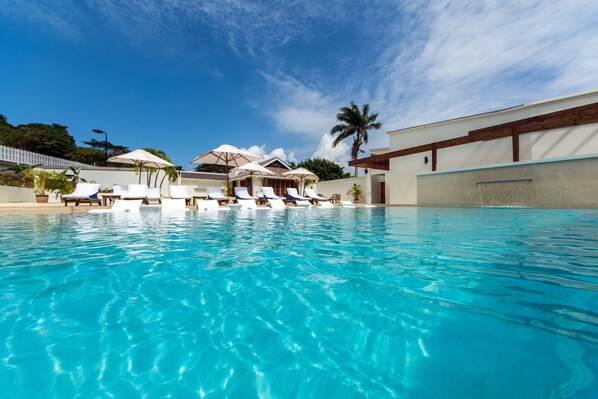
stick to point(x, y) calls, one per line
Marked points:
point(22, 157)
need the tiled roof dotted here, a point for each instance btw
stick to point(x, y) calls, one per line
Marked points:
point(203, 175)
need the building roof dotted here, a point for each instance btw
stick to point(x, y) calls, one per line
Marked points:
point(275, 165)
point(508, 109)
point(203, 175)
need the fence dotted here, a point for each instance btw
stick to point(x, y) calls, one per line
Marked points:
point(14, 155)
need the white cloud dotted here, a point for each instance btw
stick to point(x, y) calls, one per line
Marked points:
point(299, 110)
point(338, 154)
point(280, 153)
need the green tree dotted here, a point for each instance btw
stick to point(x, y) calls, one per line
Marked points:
point(101, 146)
point(89, 156)
point(324, 169)
point(53, 139)
point(354, 123)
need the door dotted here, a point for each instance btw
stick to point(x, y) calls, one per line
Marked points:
point(382, 192)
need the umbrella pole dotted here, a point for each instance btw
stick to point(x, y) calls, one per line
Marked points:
point(227, 179)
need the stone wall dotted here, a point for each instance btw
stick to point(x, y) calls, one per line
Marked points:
point(555, 183)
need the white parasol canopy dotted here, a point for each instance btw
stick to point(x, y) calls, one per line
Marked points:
point(301, 174)
point(252, 169)
point(142, 159)
point(227, 155)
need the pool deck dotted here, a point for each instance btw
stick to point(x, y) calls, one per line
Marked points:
point(58, 207)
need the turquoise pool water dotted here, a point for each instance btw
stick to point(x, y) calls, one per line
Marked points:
point(340, 303)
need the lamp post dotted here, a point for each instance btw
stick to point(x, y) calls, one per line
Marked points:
point(98, 131)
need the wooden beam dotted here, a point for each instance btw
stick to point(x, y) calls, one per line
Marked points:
point(569, 117)
point(434, 158)
point(515, 138)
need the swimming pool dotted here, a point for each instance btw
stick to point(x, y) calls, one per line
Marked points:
point(339, 303)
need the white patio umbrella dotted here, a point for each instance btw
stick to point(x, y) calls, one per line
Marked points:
point(227, 155)
point(253, 169)
point(142, 159)
point(301, 174)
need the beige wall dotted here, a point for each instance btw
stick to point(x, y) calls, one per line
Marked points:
point(341, 186)
point(16, 194)
point(555, 183)
point(401, 180)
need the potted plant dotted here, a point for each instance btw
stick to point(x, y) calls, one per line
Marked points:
point(356, 192)
point(40, 179)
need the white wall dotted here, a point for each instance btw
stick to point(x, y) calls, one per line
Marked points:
point(401, 180)
point(341, 186)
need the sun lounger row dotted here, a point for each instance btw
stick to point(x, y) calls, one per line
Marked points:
point(88, 193)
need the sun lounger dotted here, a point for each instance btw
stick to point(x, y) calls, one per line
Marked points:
point(84, 192)
point(154, 194)
point(180, 192)
point(207, 205)
point(347, 204)
point(315, 197)
point(216, 194)
point(170, 204)
point(325, 204)
point(121, 206)
point(136, 192)
point(303, 204)
point(276, 204)
point(248, 204)
point(242, 194)
point(269, 193)
point(294, 195)
point(119, 190)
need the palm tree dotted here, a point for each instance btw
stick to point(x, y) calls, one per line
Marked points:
point(354, 123)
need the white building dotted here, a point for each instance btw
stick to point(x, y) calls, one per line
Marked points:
point(559, 129)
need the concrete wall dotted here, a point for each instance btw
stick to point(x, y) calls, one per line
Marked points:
point(402, 181)
point(16, 194)
point(555, 183)
point(341, 186)
point(199, 186)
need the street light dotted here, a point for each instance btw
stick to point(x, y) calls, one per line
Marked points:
point(98, 131)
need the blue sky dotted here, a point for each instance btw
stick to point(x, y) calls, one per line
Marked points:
point(269, 76)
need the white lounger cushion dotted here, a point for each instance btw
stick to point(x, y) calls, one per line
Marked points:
point(292, 192)
point(325, 204)
point(276, 204)
point(347, 204)
point(242, 193)
point(312, 194)
point(173, 204)
point(84, 190)
point(121, 206)
point(207, 205)
point(303, 204)
point(247, 203)
point(215, 193)
point(136, 191)
point(269, 193)
point(119, 190)
point(154, 193)
point(179, 192)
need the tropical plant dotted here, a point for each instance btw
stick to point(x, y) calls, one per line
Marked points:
point(355, 124)
point(356, 192)
point(60, 182)
point(74, 176)
point(170, 172)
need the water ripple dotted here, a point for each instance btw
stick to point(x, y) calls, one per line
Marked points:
point(304, 303)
